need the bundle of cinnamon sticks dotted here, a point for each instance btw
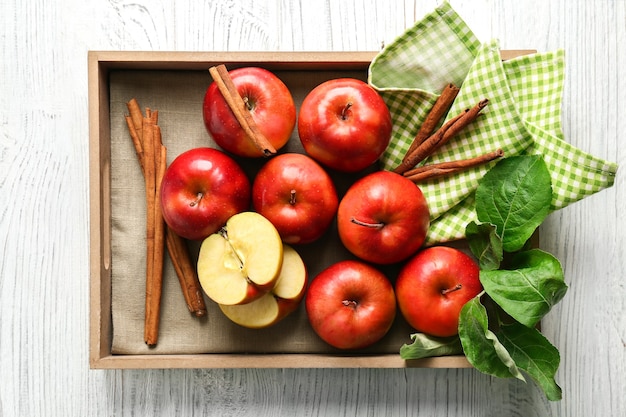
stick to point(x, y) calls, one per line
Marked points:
point(151, 154)
point(428, 140)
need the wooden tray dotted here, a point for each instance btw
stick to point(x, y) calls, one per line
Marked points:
point(311, 68)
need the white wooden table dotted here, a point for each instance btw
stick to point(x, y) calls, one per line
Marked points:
point(44, 206)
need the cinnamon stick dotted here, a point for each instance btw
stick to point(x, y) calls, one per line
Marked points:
point(153, 302)
point(187, 275)
point(152, 156)
point(177, 249)
point(431, 171)
point(136, 116)
point(151, 161)
point(436, 113)
point(441, 136)
point(426, 148)
point(240, 109)
point(467, 117)
point(149, 181)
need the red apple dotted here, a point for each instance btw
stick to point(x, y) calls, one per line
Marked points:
point(433, 286)
point(351, 305)
point(269, 101)
point(383, 218)
point(344, 124)
point(201, 189)
point(297, 195)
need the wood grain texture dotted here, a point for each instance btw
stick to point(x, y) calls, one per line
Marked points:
point(44, 205)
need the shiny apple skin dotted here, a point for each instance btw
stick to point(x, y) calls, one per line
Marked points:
point(272, 108)
point(350, 305)
point(297, 195)
point(345, 139)
point(222, 183)
point(393, 203)
point(427, 292)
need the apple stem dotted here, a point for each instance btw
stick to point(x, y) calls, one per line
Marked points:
point(350, 303)
point(247, 103)
point(292, 197)
point(378, 225)
point(197, 200)
point(344, 112)
point(449, 290)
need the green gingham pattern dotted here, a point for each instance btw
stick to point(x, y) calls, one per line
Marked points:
point(575, 174)
point(424, 52)
point(527, 76)
point(498, 127)
point(523, 115)
point(536, 82)
point(420, 68)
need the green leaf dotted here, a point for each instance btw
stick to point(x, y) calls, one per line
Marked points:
point(485, 244)
point(515, 196)
point(481, 346)
point(535, 355)
point(530, 290)
point(425, 346)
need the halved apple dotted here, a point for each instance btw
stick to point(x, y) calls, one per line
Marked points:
point(277, 304)
point(242, 261)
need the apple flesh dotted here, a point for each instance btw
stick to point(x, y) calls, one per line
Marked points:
point(269, 102)
point(201, 189)
point(344, 124)
point(383, 218)
point(279, 302)
point(351, 305)
point(242, 261)
point(297, 195)
point(433, 286)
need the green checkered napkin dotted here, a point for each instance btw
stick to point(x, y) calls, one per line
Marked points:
point(523, 115)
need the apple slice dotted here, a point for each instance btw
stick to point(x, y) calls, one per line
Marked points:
point(277, 304)
point(242, 261)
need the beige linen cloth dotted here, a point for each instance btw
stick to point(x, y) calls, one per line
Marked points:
point(178, 98)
